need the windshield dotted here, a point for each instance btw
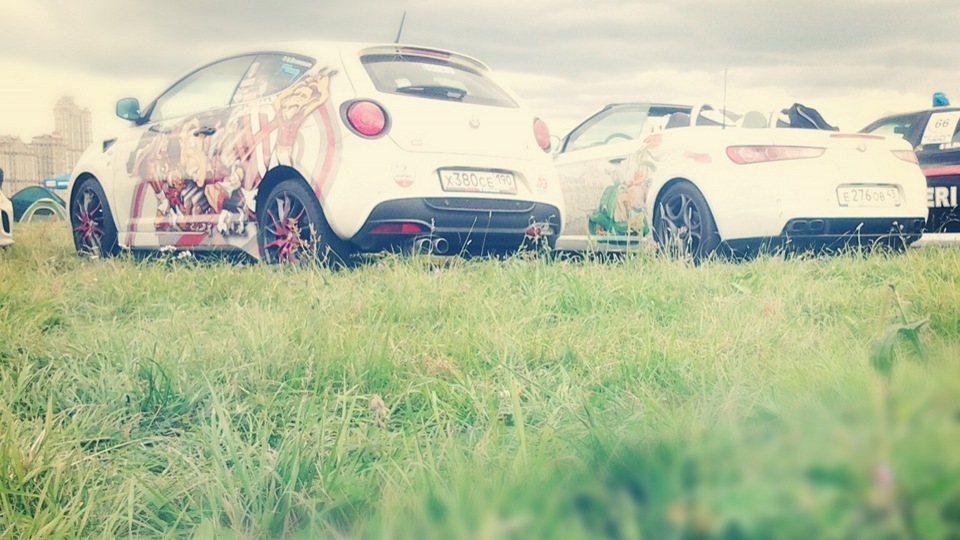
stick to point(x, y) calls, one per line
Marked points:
point(619, 123)
point(433, 78)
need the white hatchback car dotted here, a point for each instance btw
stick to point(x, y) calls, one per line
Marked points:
point(323, 149)
point(705, 180)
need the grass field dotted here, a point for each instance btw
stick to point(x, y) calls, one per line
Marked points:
point(415, 397)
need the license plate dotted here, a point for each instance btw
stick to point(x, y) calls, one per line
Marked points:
point(868, 196)
point(477, 181)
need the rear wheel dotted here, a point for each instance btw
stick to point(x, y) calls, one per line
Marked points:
point(94, 231)
point(293, 229)
point(684, 225)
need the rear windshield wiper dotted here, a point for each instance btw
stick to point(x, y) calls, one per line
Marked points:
point(443, 92)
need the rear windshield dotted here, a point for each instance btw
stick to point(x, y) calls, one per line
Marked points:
point(433, 78)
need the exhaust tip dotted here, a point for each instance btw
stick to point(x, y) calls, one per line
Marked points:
point(423, 245)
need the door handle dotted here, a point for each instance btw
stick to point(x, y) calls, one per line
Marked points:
point(206, 131)
point(617, 160)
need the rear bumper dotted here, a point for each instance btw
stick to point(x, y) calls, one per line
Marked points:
point(943, 197)
point(834, 233)
point(944, 220)
point(938, 239)
point(469, 225)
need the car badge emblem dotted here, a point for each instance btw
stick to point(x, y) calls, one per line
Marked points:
point(861, 148)
point(474, 123)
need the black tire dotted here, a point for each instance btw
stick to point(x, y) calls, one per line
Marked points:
point(683, 223)
point(94, 231)
point(293, 230)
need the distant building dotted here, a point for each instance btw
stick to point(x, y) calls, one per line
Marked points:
point(27, 164)
point(74, 125)
point(20, 164)
point(52, 155)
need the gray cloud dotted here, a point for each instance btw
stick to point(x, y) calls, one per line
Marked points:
point(819, 48)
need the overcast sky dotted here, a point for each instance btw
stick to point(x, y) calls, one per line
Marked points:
point(854, 60)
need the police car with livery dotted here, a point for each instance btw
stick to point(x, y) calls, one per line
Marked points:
point(934, 134)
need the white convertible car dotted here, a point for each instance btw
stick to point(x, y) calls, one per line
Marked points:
point(704, 180)
point(322, 149)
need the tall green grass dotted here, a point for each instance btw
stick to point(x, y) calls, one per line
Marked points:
point(415, 397)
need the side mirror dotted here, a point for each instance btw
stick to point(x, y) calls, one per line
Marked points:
point(129, 109)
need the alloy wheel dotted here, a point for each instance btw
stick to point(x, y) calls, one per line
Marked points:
point(288, 233)
point(683, 222)
point(89, 225)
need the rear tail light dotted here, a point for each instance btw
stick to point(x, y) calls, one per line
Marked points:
point(907, 155)
point(398, 228)
point(366, 118)
point(542, 133)
point(857, 136)
point(745, 155)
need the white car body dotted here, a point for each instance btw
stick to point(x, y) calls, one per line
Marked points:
point(6, 221)
point(814, 198)
point(195, 180)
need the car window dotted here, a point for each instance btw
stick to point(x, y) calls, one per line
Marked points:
point(434, 78)
point(897, 126)
point(209, 88)
point(269, 74)
point(612, 125)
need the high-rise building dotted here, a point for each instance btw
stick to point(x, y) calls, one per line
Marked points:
point(52, 155)
point(46, 155)
point(19, 163)
point(73, 124)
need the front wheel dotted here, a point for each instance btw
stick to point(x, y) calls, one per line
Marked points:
point(94, 231)
point(683, 223)
point(293, 229)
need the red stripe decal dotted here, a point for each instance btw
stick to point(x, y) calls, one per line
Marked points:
point(944, 170)
point(330, 152)
point(135, 211)
point(191, 239)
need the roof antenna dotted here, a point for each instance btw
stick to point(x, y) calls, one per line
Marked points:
point(400, 31)
point(724, 124)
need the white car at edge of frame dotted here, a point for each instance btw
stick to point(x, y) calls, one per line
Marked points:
point(934, 134)
point(703, 180)
point(317, 149)
point(6, 219)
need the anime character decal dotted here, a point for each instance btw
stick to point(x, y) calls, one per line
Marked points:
point(621, 211)
point(293, 106)
point(176, 166)
point(204, 171)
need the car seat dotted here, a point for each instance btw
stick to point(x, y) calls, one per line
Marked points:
point(678, 119)
point(754, 119)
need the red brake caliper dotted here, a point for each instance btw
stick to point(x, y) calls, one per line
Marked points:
point(287, 236)
point(88, 226)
